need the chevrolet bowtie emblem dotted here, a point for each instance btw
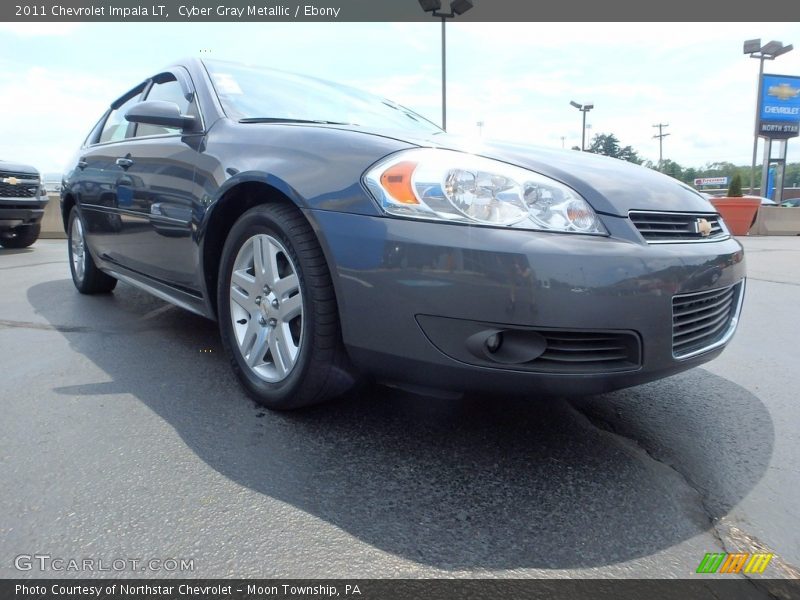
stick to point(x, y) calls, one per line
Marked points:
point(703, 227)
point(11, 180)
point(783, 91)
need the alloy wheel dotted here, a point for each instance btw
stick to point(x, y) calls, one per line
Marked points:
point(266, 307)
point(78, 249)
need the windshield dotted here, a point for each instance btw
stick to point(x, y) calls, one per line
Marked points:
point(252, 94)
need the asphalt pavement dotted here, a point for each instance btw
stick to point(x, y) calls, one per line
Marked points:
point(124, 436)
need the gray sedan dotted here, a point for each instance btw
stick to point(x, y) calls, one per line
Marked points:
point(336, 235)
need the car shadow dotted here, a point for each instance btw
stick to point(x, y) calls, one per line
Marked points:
point(10, 251)
point(485, 482)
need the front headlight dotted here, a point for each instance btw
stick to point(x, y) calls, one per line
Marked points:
point(443, 185)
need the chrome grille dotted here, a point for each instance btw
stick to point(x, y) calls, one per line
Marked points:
point(703, 319)
point(663, 227)
point(27, 185)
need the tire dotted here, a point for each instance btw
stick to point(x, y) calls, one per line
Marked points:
point(283, 306)
point(21, 236)
point(88, 279)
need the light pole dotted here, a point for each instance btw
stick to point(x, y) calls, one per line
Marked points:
point(770, 51)
point(480, 128)
point(457, 7)
point(584, 108)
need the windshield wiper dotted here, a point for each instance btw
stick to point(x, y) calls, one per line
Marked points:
point(285, 120)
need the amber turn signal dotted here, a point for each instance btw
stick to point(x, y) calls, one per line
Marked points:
point(397, 181)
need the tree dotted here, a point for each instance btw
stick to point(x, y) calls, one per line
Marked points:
point(629, 154)
point(791, 175)
point(673, 169)
point(609, 145)
point(720, 169)
point(735, 189)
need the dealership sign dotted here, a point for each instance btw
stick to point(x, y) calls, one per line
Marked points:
point(779, 106)
point(711, 181)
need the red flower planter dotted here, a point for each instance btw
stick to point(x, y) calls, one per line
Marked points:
point(738, 213)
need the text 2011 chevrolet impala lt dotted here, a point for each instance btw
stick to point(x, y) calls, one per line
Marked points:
point(332, 233)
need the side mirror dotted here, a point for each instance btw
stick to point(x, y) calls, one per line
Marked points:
point(159, 112)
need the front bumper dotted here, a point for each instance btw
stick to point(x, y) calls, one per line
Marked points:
point(398, 282)
point(21, 211)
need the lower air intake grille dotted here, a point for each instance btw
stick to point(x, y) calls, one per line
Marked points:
point(587, 352)
point(702, 319)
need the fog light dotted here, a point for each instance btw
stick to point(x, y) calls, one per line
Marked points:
point(493, 342)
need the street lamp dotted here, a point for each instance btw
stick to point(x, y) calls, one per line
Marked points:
point(457, 7)
point(584, 108)
point(770, 51)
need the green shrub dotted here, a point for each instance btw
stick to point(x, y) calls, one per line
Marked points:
point(735, 189)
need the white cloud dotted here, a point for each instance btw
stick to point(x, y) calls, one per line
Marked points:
point(52, 114)
point(34, 29)
point(518, 78)
point(693, 76)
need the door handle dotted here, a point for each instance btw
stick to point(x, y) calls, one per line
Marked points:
point(124, 162)
point(82, 164)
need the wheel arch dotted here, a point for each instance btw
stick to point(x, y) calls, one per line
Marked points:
point(67, 202)
point(238, 195)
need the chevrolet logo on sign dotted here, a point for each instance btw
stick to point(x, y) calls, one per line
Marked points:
point(783, 91)
point(11, 180)
point(779, 107)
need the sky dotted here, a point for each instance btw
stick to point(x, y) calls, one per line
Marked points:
point(517, 78)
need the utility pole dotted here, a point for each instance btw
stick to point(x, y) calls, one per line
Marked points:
point(563, 138)
point(661, 135)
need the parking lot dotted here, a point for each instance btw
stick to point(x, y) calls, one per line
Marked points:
point(124, 435)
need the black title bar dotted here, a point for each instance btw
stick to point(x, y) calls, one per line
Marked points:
point(386, 10)
point(396, 589)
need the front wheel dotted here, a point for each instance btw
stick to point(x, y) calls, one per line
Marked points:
point(21, 236)
point(277, 310)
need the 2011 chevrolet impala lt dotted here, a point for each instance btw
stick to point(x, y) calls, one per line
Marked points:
point(332, 233)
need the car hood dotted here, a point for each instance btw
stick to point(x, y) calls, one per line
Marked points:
point(610, 185)
point(10, 167)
